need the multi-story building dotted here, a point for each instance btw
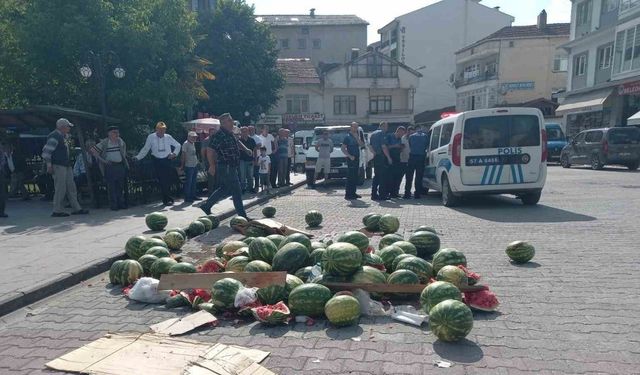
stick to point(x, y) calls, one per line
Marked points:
point(368, 89)
point(604, 69)
point(428, 38)
point(321, 38)
point(201, 5)
point(516, 64)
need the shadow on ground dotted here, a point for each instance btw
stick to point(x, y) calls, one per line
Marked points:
point(463, 351)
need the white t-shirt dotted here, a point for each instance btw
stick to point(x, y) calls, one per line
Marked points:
point(267, 142)
point(263, 163)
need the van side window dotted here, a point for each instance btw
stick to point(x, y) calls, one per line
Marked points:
point(593, 137)
point(579, 138)
point(445, 137)
point(435, 138)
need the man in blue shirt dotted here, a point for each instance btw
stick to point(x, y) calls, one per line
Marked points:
point(381, 162)
point(397, 169)
point(351, 149)
point(418, 143)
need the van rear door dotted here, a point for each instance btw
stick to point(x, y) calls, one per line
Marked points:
point(501, 147)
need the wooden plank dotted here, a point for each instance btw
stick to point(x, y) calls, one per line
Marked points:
point(392, 288)
point(182, 281)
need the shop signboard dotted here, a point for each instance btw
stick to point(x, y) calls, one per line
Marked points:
point(631, 88)
point(303, 119)
point(270, 120)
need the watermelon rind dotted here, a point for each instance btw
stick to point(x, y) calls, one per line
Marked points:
point(520, 251)
point(290, 257)
point(341, 259)
point(342, 310)
point(309, 299)
point(129, 272)
point(114, 272)
point(451, 320)
point(272, 314)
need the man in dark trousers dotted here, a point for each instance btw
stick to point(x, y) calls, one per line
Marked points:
point(224, 160)
point(396, 171)
point(111, 152)
point(163, 149)
point(418, 146)
point(381, 163)
point(3, 181)
point(351, 149)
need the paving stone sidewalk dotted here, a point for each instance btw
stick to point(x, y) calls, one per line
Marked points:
point(572, 311)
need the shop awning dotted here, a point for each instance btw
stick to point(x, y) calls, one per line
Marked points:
point(202, 125)
point(634, 120)
point(587, 102)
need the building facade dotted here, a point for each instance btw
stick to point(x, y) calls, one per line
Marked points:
point(604, 64)
point(427, 39)
point(321, 38)
point(201, 5)
point(516, 64)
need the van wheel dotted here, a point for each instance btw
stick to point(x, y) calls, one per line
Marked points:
point(531, 199)
point(448, 199)
point(596, 164)
point(361, 176)
point(633, 166)
point(564, 161)
point(311, 181)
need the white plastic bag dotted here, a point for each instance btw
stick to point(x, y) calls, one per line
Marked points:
point(369, 307)
point(146, 290)
point(245, 296)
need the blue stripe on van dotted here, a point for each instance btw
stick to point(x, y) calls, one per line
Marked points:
point(514, 176)
point(499, 175)
point(520, 173)
point(493, 171)
point(484, 176)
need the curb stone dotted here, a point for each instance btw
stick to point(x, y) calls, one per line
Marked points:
point(75, 276)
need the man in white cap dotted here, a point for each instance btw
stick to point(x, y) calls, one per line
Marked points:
point(164, 148)
point(57, 156)
point(189, 164)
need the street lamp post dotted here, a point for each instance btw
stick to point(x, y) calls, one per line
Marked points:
point(96, 60)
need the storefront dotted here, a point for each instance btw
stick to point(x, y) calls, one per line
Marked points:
point(630, 96)
point(302, 121)
point(589, 110)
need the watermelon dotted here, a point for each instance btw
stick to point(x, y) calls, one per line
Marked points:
point(450, 320)
point(132, 247)
point(424, 228)
point(177, 300)
point(299, 238)
point(374, 261)
point(290, 257)
point(367, 217)
point(313, 219)
point(272, 314)
point(161, 266)
point(342, 310)
point(389, 224)
point(272, 294)
point(237, 264)
point(520, 251)
point(262, 248)
point(238, 222)
point(277, 239)
point(341, 259)
point(359, 239)
point(179, 230)
point(317, 255)
point(388, 254)
point(304, 273)
point(156, 221)
point(146, 261)
point(114, 272)
point(483, 300)
point(182, 267)
point(437, 292)
point(159, 251)
point(397, 260)
point(454, 275)
point(257, 266)
point(318, 245)
point(253, 231)
point(223, 293)
point(407, 247)
point(219, 248)
point(372, 223)
point(151, 242)
point(231, 249)
point(174, 240)
point(427, 243)
point(419, 266)
point(195, 229)
point(248, 240)
point(212, 265)
point(129, 271)
point(325, 278)
point(215, 221)
point(208, 225)
point(269, 211)
point(389, 239)
point(368, 275)
point(292, 282)
point(309, 299)
point(403, 277)
point(448, 257)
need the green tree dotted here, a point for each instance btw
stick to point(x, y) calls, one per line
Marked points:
point(244, 55)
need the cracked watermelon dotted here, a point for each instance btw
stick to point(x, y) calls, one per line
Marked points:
point(520, 251)
point(450, 320)
point(427, 243)
point(129, 272)
point(212, 265)
point(342, 310)
point(448, 257)
point(358, 239)
point(291, 257)
point(114, 272)
point(132, 247)
point(483, 300)
point(272, 314)
point(262, 248)
point(223, 292)
point(309, 299)
point(341, 259)
point(156, 221)
point(437, 292)
point(454, 275)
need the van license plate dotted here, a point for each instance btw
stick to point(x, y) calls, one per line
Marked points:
point(334, 171)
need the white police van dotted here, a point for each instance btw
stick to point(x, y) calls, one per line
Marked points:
point(488, 151)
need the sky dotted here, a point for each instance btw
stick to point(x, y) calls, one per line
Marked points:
point(378, 12)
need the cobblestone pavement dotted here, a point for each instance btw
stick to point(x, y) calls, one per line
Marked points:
point(572, 311)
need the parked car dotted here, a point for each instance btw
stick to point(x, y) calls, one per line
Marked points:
point(488, 151)
point(556, 141)
point(600, 147)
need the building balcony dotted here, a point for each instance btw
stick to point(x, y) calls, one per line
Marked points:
point(479, 78)
point(627, 7)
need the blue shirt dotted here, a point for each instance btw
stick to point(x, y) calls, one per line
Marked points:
point(418, 143)
point(283, 148)
point(352, 145)
point(377, 139)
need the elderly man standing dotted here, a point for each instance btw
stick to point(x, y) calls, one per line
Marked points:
point(163, 149)
point(56, 154)
point(224, 160)
point(256, 154)
point(189, 164)
point(112, 154)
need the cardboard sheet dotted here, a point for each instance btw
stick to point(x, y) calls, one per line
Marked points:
point(179, 326)
point(274, 227)
point(151, 353)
